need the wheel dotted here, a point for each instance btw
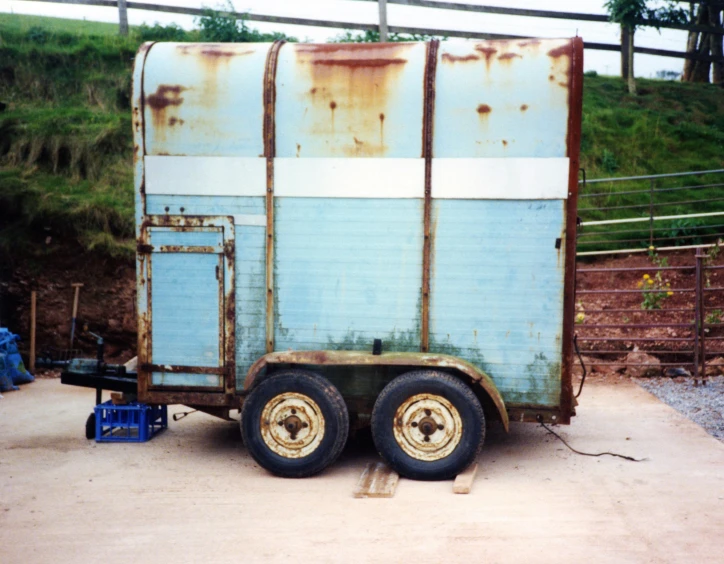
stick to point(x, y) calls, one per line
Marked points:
point(294, 423)
point(428, 425)
point(90, 426)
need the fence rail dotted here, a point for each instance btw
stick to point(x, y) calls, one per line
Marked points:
point(609, 218)
point(411, 30)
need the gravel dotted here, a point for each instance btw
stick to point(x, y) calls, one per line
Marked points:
point(704, 405)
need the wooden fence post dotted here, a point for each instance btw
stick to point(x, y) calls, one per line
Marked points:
point(382, 4)
point(31, 360)
point(122, 17)
point(624, 52)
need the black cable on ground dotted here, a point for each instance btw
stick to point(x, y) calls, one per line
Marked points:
point(552, 432)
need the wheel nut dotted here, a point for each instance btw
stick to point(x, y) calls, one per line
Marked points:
point(427, 439)
point(281, 423)
point(305, 425)
point(440, 427)
point(294, 411)
point(428, 412)
point(414, 423)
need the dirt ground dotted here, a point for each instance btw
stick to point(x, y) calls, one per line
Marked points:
point(192, 494)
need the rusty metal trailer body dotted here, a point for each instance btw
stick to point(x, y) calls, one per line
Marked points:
point(295, 202)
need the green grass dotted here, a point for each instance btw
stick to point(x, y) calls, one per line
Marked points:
point(66, 143)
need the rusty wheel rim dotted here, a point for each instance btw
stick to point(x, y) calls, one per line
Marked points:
point(292, 425)
point(427, 427)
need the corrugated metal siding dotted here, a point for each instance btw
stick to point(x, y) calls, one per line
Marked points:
point(250, 299)
point(348, 271)
point(501, 99)
point(347, 100)
point(497, 291)
point(186, 315)
point(204, 99)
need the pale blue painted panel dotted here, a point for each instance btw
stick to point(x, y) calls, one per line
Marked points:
point(497, 292)
point(198, 238)
point(350, 100)
point(185, 310)
point(348, 271)
point(185, 379)
point(156, 204)
point(204, 99)
point(250, 298)
point(501, 99)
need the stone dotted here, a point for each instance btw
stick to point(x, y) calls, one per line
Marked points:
point(640, 364)
point(714, 367)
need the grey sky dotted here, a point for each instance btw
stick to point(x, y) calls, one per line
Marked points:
point(366, 12)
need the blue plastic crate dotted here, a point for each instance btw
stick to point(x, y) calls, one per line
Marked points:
point(135, 422)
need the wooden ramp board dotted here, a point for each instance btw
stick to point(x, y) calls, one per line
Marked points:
point(377, 480)
point(132, 364)
point(464, 481)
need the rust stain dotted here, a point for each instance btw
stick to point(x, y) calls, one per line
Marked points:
point(551, 77)
point(484, 109)
point(508, 56)
point(563, 84)
point(356, 63)
point(355, 83)
point(449, 58)
point(488, 52)
point(174, 120)
point(562, 51)
point(505, 143)
point(523, 107)
point(166, 95)
point(213, 51)
point(337, 47)
point(529, 42)
point(299, 148)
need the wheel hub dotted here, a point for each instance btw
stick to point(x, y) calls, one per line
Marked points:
point(292, 425)
point(427, 427)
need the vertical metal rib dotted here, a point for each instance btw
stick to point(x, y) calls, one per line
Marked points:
point(427, 124)
point(573, 144)
point(269, 152)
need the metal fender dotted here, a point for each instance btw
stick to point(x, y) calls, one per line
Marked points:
point(357, 358)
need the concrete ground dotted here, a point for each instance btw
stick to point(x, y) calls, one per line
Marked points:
point(192, 494)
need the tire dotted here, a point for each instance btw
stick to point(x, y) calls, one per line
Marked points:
point(428, 425)
point(294, 423)
point(90, 426)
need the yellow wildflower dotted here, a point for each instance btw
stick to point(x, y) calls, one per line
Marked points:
point(669, 293)
point(646, 276)
point(641, 283)
point(580, 317)
point(652, 248)
point(650, 281)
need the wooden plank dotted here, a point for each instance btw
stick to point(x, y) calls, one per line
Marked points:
point(464, 481)
point(377, 480)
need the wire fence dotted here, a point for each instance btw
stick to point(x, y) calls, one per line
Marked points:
point(663, 211)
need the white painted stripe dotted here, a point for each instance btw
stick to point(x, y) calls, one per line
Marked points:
point(206, 176)
point(245, 219)
point(349, 178)
point(500, 179)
